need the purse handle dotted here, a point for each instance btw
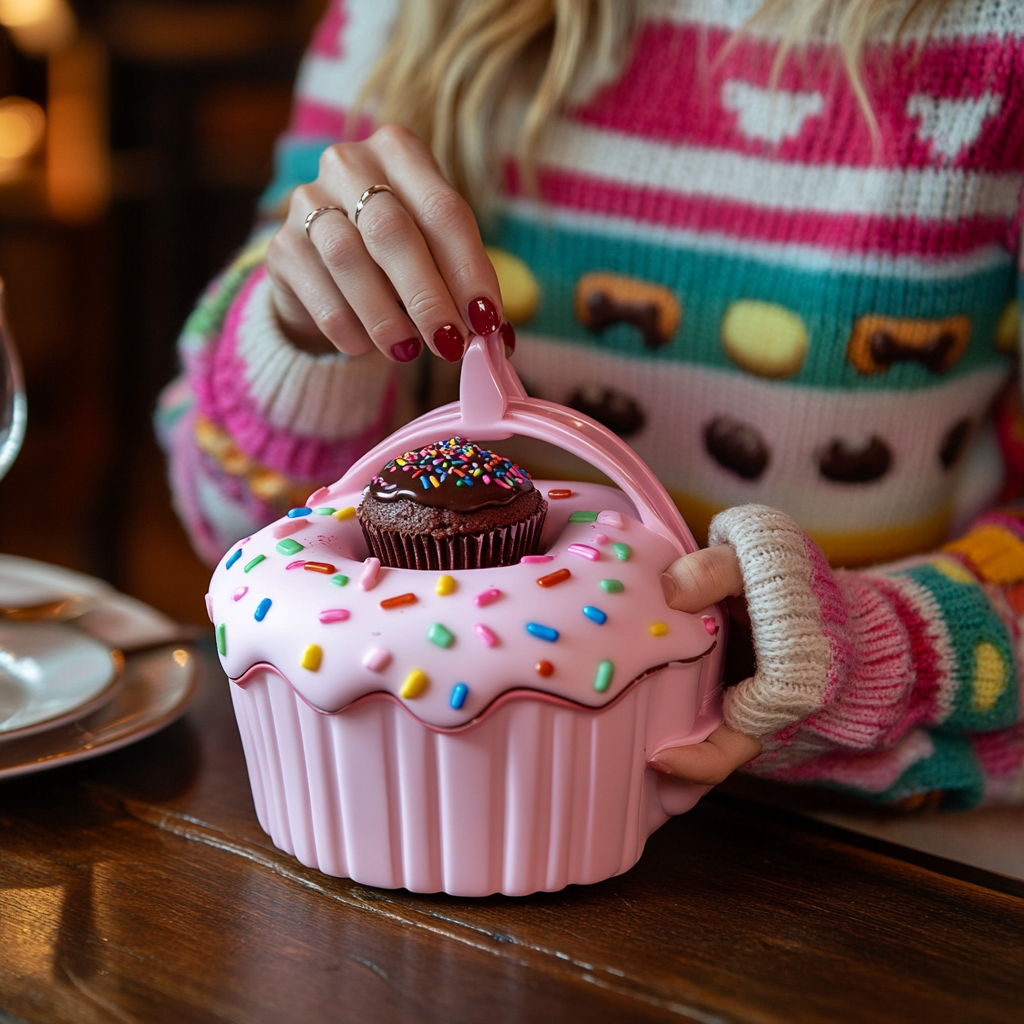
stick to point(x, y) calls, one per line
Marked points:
point(493, 405)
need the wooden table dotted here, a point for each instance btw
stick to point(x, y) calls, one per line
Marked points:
point(139, 887)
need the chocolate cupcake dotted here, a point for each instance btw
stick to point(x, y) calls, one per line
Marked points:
point(451, 505)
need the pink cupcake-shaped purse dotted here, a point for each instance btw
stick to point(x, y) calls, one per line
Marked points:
point(475, 730)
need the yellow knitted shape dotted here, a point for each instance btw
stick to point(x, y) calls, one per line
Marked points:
point(997, 555)
point(990, 677)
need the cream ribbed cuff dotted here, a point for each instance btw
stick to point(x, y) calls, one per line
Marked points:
point(326, 397)
point(792, 651)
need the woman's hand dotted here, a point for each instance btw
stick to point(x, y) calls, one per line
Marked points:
point(413, 270)
point(691, 583)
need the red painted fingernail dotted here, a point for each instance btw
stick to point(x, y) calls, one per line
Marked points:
point(449, 344)
point(508, 335)
point(406, 351)
point(483, 317)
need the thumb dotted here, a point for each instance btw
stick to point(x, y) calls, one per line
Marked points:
point(709, 762)
point(702, 578)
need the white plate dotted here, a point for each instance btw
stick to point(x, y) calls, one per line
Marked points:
point(115, 618)
point(156, 688)
point(50, 673)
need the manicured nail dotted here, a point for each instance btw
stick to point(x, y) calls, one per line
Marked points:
point(406, 351)
point(670, 589)
point(508, 335)
point(483, 317)
point(449, 343)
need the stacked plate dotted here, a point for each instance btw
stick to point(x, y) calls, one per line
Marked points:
point(84, 669)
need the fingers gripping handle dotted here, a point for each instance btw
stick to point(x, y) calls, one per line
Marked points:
point(493, 405)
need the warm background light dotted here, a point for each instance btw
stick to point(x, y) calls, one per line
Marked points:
point(78, 158)
point(38, 26)
point(22, 124)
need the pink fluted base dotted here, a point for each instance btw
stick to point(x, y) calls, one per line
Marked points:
point(535, 795)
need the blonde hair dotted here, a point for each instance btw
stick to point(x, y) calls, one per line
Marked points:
point(454, 68)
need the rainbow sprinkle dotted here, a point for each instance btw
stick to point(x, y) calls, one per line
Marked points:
point(371, 571)
point(536, 559)
point(312, 656)
point(288, 546)
point(603, 676)
point(440, 635)
point(595, 614)
point(261, 609)
point(445, 585)
point(458, 697)
point(239, 593)
point(344, 513)
point(584, 551)
point(486, 597)
point(544, 668)
point(554, 578)
point(234, 558)
point(710, 626)
point(397, 602)
point(324, 510)
point(296, 513)
point(582, 516)
point(622, 552)
point(485, 634)
point(341, 580)
point(329, 615)
point(658, 629)
point(325, 567)
point(542, 632)
point(415, 683)
point(256, 561)
point(376, 659)
point(467, 463)
point(222, 639)
point(559, 492)
point(287, 527)
point(611, 586)
point(610, 518)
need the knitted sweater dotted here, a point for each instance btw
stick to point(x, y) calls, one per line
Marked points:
point(770, 305)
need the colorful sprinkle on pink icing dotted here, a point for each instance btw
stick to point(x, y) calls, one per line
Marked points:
point(239, 593)
point(710, 625)
point(610, 518)
point(287, 527)
point(371, 573)
point(536, 559)
point(485, 634)
point(209, 607)
point(297, 564)
point(398, 602)
point(584, 551)
point(329, 615)
point(554, 578)
point(600, 539)
point(486, 597)
point(376, 659)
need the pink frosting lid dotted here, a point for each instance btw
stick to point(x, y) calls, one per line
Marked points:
point(447, 645)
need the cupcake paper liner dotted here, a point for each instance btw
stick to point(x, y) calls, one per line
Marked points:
point(503, 546)
point(533, 795)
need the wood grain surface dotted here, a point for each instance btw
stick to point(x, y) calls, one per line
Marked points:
point(139, 887)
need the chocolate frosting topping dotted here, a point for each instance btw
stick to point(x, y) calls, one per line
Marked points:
point(453, 474)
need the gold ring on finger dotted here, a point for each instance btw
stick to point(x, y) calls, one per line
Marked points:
point(366, 196)
point(319, 212)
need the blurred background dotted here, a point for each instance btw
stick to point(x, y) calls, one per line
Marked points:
point(135, 139)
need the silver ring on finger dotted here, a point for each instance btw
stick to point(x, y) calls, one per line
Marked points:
point(367, 196)
point(319, 212)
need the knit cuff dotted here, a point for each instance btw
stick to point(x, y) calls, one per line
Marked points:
point(793, 653)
